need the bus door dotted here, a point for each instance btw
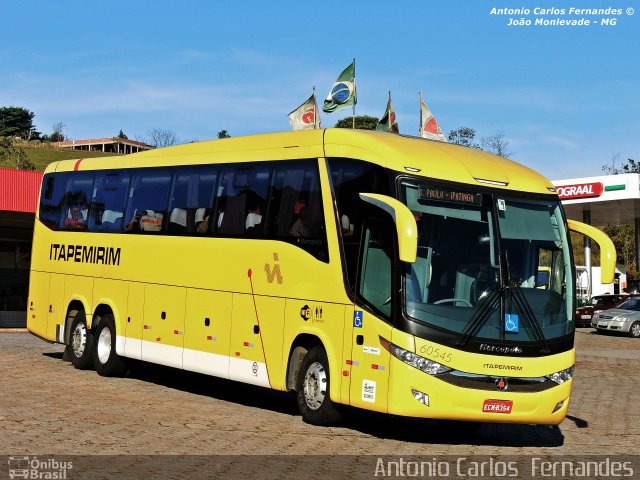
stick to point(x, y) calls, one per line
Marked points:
point(369, 361)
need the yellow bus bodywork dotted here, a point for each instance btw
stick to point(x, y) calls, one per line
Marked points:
point(235, 307)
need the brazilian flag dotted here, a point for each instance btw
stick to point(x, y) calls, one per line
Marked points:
point(343, 92)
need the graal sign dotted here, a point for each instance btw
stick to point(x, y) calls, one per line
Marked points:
point(580, 190)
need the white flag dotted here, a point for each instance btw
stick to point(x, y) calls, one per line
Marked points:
point(306, 116)
point(429, 128)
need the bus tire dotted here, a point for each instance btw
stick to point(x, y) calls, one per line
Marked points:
point(80, 345)
point(312, 389)
point(107, 362)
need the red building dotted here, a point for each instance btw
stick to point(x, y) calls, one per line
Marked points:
point(18, 199)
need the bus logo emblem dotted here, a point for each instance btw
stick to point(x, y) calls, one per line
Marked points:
point(273, 272)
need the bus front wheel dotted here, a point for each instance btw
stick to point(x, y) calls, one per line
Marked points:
point(105, 358)
point(313, 389)
point(80, 344)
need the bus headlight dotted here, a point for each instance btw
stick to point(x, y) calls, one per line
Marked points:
point(562, 376)
point(416, 361)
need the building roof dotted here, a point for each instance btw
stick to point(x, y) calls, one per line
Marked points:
point(100, 141)
point(19, 190)
point(609, 199)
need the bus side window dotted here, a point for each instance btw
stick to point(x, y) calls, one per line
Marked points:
point(295, 211)
point(375, 282)
point(349, 179)
point(146, 208)
point(76, 201)
point(241, 201)
point(107, 205)
point(51, 198)
point(191, 200)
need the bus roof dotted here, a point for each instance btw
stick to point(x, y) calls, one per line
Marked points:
point(413, 155)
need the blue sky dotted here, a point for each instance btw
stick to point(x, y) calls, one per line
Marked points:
point(566, 98)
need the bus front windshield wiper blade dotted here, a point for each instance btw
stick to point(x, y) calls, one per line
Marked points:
point(480, 316)
point(523, 308)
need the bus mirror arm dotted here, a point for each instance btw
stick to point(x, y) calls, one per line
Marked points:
point(607, 249)
point(406, 228)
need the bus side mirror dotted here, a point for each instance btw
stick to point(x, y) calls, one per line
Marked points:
point(607, 249)
point(406, 228)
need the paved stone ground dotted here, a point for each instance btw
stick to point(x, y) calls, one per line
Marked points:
point(48, 407)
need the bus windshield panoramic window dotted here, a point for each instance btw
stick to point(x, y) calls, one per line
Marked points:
point(456, 283)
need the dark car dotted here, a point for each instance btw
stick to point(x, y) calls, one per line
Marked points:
point(584, 314)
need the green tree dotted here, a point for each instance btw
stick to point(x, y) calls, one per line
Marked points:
point(122, 135)
point(223, 134)
point(17, 122)
point(464, 136)
point(57, 135)
point(13, 157)
point(363, 122)
point(631, 166)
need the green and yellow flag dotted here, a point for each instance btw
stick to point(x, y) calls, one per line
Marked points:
point(343, 92)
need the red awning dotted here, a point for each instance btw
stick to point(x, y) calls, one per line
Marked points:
point(19, 190)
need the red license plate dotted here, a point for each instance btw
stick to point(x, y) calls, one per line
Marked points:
point(497, 406)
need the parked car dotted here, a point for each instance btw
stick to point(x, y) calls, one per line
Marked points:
point(624, 318)
point(597, 303)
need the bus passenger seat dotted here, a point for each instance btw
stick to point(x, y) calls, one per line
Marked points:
point(178, 220)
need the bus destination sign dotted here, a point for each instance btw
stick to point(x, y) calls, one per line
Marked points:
point(446, 195)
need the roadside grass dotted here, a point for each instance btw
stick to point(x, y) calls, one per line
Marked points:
point(42, 157)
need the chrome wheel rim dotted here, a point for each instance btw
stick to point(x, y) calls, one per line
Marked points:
point(79, 339)
point(104, 345)
point(315, 385)
point(635, 329)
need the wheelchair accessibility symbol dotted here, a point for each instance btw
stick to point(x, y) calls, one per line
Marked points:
point(357, 319)
point(511, 323)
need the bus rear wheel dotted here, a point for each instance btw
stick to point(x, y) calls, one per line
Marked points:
point(107, 362)
point(312, 389)
point(80, 344)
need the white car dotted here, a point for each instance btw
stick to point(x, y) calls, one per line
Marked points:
point(625, 318)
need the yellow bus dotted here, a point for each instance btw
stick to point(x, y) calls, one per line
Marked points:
point(368, 269)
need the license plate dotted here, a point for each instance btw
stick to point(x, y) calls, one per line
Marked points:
point(497, 406)
point(585, 317)
point(603, 324)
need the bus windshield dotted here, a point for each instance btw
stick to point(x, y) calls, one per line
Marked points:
point(478, 263)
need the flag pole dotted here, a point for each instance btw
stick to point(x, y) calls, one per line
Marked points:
point(420, 106)
point(353, 118)
point(315, 109)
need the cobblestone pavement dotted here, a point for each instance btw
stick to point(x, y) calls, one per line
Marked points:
point(48, 407)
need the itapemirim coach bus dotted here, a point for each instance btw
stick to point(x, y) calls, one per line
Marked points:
point(369, 269)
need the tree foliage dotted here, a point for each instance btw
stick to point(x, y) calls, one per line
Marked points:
point(363, 122)
point(161, 138)
point(223, 134)
point(631, 166)
point(122, 135)
point(464, 136)
point(496, 144)
point(14, 157)
point(17, 122)
point(623, 236)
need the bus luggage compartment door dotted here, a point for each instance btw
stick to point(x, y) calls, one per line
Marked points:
point(38, 307)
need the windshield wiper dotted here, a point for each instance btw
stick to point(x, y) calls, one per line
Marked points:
point(522, 307)
point(491, 302)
